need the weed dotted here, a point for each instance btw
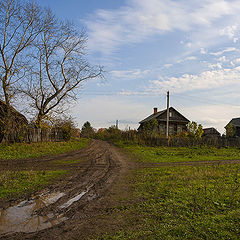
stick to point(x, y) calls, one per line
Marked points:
point(24, 150)
point(182, 202)
point(19, 182)
point(181, 154)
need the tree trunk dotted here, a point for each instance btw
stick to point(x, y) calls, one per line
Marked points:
point(7, 114)
point(39, 119)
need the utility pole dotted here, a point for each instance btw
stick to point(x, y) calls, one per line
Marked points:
point(167, 130)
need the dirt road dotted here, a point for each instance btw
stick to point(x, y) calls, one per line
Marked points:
point(79, 205)
point(71, 207)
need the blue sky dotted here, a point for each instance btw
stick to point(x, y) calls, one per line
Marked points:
point(148, 47)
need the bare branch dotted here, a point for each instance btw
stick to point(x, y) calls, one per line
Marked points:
point(59, 68)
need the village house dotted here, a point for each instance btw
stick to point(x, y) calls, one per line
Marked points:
point(177, 122)
point(211, 133)
point(17, 121)
point(233, 128)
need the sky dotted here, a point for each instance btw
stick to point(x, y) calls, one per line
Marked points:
point(149, 47)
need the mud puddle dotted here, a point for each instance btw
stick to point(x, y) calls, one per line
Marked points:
point(70, 210)
point(74, 199)
point(23, 217)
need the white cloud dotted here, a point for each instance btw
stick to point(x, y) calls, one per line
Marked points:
point(197, 26)
point(129, 74)
point(229, 49)
point(139, 93)
point(230, 32)
point(203, 51)
point(235, 39)
point(235, 61)
point(141, 19)
point(223, 59)
point(205, 80)
point(190, 58)
point(168, 65)
point(214, 66)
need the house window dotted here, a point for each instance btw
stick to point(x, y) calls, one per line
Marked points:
point(179, 129)
point(162, 129)
point(171, 130)
point(170, 114)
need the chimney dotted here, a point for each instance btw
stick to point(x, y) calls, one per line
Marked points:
point(155, 110)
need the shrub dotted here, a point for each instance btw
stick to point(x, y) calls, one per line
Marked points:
point(87, 130)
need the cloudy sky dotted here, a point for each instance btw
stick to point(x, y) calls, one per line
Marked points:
point(149, 47)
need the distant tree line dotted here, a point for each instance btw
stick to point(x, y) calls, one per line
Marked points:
point(192, 137)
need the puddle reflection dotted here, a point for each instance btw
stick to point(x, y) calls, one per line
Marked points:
point(23, 217)
point(75, 199)
point(71, 201)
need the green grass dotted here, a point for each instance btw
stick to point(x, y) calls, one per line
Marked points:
point(24, 150)
point(181, 154)
point(181, 202)
point(19, 182)
point(201, 202)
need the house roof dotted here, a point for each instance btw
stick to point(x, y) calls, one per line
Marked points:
point(13, 111)
point(235, 122)
point(152, 116)
point(210, 130)
point(158, 114)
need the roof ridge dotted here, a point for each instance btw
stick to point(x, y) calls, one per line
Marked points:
point(150, 117)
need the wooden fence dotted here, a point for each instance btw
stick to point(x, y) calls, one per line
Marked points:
point(37, 135)
point(153, 140)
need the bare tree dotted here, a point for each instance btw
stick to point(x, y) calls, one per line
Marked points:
point(19, 27)
point(59, 67)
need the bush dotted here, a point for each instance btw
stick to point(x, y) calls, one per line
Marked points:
point(66, 126)
point(87, 130)
point(111, 134)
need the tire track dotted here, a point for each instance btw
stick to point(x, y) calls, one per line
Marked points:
point(88, 183)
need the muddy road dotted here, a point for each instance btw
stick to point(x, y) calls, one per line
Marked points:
point(82, 203)
point(71, 207)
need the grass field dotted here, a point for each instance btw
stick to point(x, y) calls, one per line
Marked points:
point(181, 154)
point(19, 182)
point(32, 150)
point(181, 202)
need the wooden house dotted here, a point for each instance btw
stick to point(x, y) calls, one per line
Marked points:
point(17, 121)
point(177, 122)
point(211, 133)
point(235, 125)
